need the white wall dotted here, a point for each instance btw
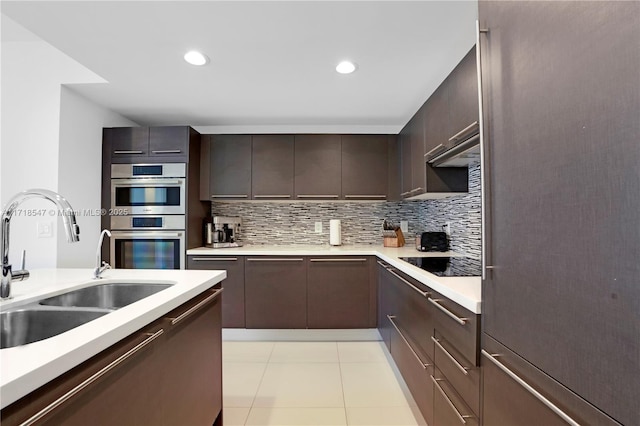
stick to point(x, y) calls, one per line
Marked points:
point(79, 165)
point(32, 75)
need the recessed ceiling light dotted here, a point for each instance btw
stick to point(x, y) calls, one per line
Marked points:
point(195, 58)
point(346, 67)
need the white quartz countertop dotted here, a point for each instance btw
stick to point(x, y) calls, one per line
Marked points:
point(27, 367)
point(465, 291)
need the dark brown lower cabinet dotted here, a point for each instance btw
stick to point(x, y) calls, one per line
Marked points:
point(191, 371)
point(339, 292)
point(163, 374)
point(233, 299)
point(275, 292)
point(386, 303)
point(415, 371)
point(448, 407)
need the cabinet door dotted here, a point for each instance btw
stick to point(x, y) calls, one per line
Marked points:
point(338, 292)
point(192, 363)
point(230, 171)
point(275, 292)
point(317, 167)
point(450, 410)
point(463, 95)
point(272, 167)
point(118, 388)
point(168, 143)
point(416, 134)
point(387, 302)
point(406, 185)
point(564, 193)
point(129, 144)
point(365, 167)
point(436, 124)
point(415, 372)
point(233, 297)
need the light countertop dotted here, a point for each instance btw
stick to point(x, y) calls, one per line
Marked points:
point(466, 291)
point(25, 368)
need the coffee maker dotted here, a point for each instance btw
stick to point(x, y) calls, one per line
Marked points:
point(222, 231)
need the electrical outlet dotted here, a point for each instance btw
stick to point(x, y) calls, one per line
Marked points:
point(404, 226)
point(318, 227)
point(45, 229)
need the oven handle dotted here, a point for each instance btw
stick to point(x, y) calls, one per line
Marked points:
point(147, 182)
point(121, 234)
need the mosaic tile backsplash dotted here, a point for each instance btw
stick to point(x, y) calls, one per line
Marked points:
point(294, 222)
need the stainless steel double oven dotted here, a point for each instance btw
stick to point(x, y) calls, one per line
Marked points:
point(148, 224)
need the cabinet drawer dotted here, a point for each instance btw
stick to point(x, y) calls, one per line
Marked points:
point(463, 376)
point(415, 371)
point(448, 408)
point(459, 326)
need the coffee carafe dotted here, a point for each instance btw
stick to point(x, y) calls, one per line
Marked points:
point(223, 231)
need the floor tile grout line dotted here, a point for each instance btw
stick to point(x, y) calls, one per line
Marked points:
point(344, 401)
point(266, 365)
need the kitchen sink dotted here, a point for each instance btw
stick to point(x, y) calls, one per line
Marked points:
point(24, 326)
point(105, 296)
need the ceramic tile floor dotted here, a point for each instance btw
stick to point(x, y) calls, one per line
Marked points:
point(313, 383)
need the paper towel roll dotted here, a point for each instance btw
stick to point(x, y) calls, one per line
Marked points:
point(335, 232)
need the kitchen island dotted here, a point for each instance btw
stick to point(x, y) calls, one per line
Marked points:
point(28, 369)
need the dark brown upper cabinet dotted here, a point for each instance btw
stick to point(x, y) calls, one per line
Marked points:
point(272, 167)
point(412, 163)
point(365, 165)
point(168, 144)
point(462, 85)
point(230, 167)
point(406, 185)
point(318, 167)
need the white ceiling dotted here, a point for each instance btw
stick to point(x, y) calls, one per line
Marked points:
point(272, 63)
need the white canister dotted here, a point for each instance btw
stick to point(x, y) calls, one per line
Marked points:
point(335, 232)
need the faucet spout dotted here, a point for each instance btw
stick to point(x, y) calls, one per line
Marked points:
point(68, 219)
point(100, 265)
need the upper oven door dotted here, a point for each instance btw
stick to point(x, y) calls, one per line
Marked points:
point(148, 196)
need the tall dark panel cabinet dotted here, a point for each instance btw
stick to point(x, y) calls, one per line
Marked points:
point(562, 108)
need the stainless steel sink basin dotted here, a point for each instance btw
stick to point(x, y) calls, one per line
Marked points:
point(24, 326)
point(105, 296)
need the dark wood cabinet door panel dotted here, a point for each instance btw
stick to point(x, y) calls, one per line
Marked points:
point(415, 374)
point(564, 192)
point(318, 163)
point(406, 185)
point(448, 408)
point(128, 144)
point(416, 135)
point(272, 166)
point(192, 368)
point(365, 167)
point(458, 326)
point(233, 296)
point(387, 302)
point(338, 292)
point(230, 170)
point(436, 120)
point(169, 143)
point(275, 292)
point(463, 95)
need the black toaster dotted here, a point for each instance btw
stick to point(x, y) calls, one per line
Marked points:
point(433, 241)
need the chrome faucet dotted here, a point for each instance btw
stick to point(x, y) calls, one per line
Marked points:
point(100, 265)
point(68, 219)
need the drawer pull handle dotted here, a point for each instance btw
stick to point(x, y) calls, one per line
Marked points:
point(193, 309)
point(422, 364)
point(275, 259)
point(317, 196)
point(384, 265)
point(360, 259)
point(366, 196)
point(230, 196)
point(166, 151)
point(435, 150)
point(423, 293)
point(272, 196)
point(451, 357)
point(214, 259)
point(126, 152)
point(462, 417)
point(530, 389)
point(55, 404)
point(461, 321)
point(464, 131)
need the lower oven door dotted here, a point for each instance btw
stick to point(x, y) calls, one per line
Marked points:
point(148, 249)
